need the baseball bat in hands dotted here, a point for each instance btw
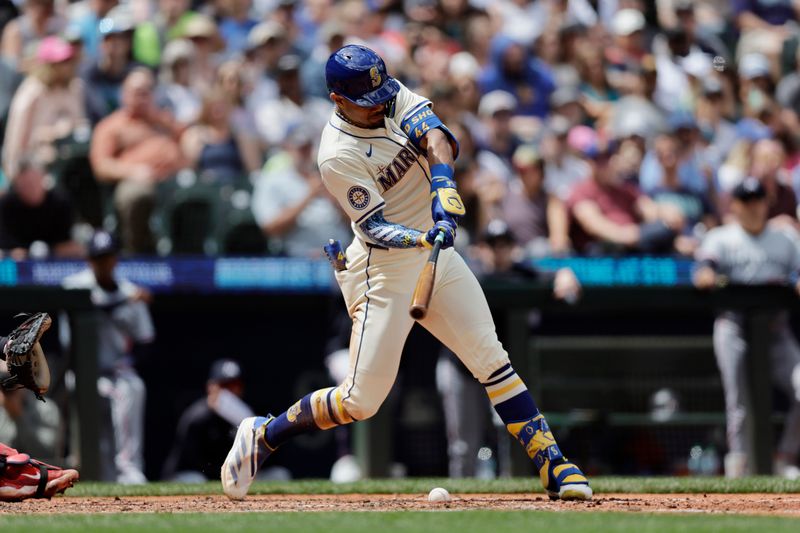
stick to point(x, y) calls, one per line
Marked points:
point(424, 289)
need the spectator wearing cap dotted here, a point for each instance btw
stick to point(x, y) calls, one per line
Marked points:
point(124, 327)
point(88, 26)
point(21, 35)
point(235, 24)
point(48, 106)
point(716, 130)
point(683, 16)
point(514, 71)
point(204, 34)
point(135, 148)
point(496, 110)
point(292, 108)
point(290, 203)
point(756, 87)
point(538, 220)
point(152, 35)
point(215, 150)
point(266, 45)
point(35, 220)
point(103, 77)
point(568, 102)
point(175, 90)
point(206, 428)
point(629, 48)
point(610, 214)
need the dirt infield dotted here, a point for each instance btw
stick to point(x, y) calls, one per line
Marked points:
point(772, 504)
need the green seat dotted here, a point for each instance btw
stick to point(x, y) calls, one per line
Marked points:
point(187, 218)
point(238, 232)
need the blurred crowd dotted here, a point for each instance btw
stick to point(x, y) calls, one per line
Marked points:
point(587, 127)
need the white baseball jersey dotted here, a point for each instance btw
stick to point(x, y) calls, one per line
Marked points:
point(770, 257)
point(368, 169)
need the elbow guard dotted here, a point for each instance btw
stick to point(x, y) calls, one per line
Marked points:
point(416, 125)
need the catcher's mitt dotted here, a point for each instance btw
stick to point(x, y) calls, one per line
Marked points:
point(25, 358)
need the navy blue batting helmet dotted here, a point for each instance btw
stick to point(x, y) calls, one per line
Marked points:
point(359, 74)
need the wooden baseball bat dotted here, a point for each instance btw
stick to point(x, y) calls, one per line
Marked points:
point(424, 289)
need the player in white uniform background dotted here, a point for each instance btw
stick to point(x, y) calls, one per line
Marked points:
point(752, 252)
point(123, 320)
point(388, 160)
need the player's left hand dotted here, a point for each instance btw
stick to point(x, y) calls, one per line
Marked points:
point(445, 201)
point(427, 239)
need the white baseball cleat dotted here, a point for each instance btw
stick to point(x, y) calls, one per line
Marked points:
point(247, 454)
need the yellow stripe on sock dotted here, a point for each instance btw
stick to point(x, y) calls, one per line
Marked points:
point(499, 392)
point(340, 411)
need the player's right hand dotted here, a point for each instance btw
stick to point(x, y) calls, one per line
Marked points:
point(449, 228)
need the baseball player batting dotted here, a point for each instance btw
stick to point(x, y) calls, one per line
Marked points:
point(388, 159)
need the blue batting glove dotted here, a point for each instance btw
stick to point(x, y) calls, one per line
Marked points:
point(449, 234)
point(446, 204)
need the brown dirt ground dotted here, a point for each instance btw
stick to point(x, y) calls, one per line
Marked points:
point(772, 504)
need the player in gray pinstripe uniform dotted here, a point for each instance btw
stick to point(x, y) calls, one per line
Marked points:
point(749, 251)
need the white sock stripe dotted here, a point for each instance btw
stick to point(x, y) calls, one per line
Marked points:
point(504, 376)
point(508, 379)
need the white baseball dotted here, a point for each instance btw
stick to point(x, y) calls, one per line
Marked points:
point(439, 495)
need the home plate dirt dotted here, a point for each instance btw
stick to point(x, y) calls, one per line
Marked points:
point(773, 504)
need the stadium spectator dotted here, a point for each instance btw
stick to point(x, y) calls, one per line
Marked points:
point(235, 24)
point(717, 131)
point(612, 215)
point(48, 106)
point(498, 138)
point(204, 34)
point(692, 172)
point(763, 25)
point(103, 77)
point(88, 26)
point(291, 109)
point(35, 220)
point(767, 166)
point(562, 169)
point(538, 220)
point(266, 44)
point(135, 148)
point(124, 326)
point(628, 48)
point(206, 428)
point(291, 204)
point(175, 90)
point(153, 35)
point(230, 81)
point(514, 71)
point(216, 151)
point(22, 34)
point(312, 72)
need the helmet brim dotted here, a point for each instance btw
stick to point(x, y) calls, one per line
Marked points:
point(381, 95)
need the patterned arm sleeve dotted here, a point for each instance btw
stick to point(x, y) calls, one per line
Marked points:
point(388, 233)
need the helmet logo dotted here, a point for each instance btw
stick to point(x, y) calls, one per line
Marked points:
point(375, 76)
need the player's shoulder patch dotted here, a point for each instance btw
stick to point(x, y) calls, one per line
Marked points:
point(358, 197)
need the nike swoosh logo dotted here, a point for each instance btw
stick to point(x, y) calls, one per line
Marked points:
point(369, 152)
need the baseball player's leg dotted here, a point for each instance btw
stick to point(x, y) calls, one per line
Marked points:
point(127, 414)
point(730, 349)
point(380, 326)
point(786, 374)
point(459, 317)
